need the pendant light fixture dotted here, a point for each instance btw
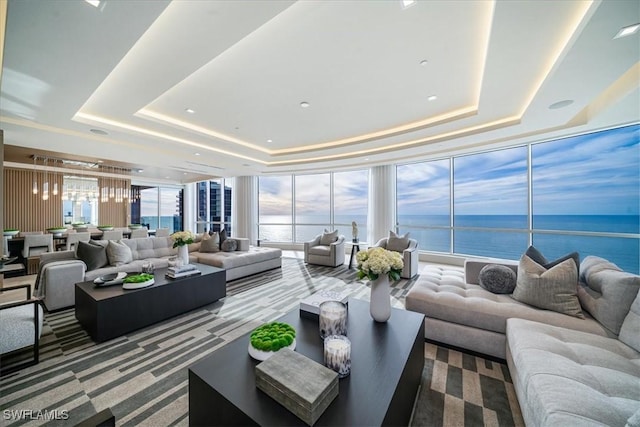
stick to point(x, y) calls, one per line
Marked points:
point(34, 188)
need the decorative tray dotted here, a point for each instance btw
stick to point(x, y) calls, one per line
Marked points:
point(110, 279)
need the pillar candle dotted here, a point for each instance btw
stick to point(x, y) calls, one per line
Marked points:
point(337, 354)
point(332, 319)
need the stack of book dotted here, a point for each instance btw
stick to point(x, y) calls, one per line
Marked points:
point(182, 271)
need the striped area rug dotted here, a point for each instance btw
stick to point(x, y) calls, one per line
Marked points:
point(142, 376)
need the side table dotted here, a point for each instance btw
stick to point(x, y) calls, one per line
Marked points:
point(355, 248)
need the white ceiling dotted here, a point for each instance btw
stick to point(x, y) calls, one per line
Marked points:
point(132, 68)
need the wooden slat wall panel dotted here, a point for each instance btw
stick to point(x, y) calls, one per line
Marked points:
point(24, 210)
point(110, 212)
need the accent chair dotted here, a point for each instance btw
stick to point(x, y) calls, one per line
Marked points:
point(405, 246)
point(325, 249)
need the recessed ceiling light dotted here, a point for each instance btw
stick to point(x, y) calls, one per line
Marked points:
point(424, 62)
point(269, 140)
point(140, 170)
point(196, 154)
point(99, 131)
point(94, 3)
point(190, 110)
point(166, 177)
point(561, 104)
point(184, 173)
point(432, 98)
point(304, 104)
point(627, 31)
point(407, 3)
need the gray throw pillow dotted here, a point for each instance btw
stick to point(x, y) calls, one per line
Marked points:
point(537, 256)
point(118, 253)
point(210, 243)
point(553, 289)
point(93, 255)
point(229, 245)
point(498, 279)
point(223, 237)
point(328, 238)
point(396, 242)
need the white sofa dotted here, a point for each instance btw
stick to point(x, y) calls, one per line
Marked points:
point(60, 271)
point(565, 370)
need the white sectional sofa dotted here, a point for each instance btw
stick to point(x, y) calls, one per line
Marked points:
point(566, 370)
point(60, 271)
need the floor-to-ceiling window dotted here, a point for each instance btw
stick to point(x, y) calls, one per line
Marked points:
point(295, 208)
point(158, 207)
point(490, 203)
point(214, 205)
point(423, 193)
point(586, 196)
point(583, 195)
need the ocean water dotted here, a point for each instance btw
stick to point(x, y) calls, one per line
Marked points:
point(477, 234)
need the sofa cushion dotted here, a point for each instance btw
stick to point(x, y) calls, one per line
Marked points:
point(537, 256)
point(229, 245)
point(606, 292)
point(630, 329)
point(553, 289)
point(566, 377)
point(440, 292)
point(92, 254)
point(150, 247)
point(397, 243)
point(210, 243)
point(328, 238)
point(634, 420)
point(228, 260)
point(498, 279)
point(118, 253)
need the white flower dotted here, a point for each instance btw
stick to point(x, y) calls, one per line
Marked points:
point(376, 261)
point(181, 238)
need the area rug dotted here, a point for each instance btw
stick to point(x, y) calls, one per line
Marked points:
point(142, 377)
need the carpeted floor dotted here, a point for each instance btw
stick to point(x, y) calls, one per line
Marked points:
point(142, 376)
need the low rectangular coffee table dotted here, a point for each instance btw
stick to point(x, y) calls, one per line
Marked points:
point(111, 311)
point(387, 360)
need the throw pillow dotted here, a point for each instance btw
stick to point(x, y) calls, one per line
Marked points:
point(94, 256)
point(631, 325)
point(553, 289)
point(396, 242)
point(223, 236)
point(118, 253)
point(328, 238)
point(497, 278)
point(229, 245)
point(537, 256)
point(210, 243)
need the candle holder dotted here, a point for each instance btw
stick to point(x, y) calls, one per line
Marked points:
point(337, 354)
point(332, 319)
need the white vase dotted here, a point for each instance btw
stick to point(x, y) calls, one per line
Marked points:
point(183, 254)
point(380, 305)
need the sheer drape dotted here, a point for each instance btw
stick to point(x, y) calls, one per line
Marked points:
point(244, 208)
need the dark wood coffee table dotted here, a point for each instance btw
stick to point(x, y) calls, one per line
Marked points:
point(386, 368)
point(111, 311)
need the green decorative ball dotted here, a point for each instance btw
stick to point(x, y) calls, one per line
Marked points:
point(272, 336)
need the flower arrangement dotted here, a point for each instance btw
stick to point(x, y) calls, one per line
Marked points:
point(376, 261)
point(181, 238)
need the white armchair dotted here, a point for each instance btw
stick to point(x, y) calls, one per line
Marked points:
point(407, 247)
point(325, 249)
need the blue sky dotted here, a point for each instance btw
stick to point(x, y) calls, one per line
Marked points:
point(592, 174)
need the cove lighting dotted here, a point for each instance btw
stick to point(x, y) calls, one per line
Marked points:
point(627, 31)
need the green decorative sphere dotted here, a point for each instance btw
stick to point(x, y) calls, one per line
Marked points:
point(272, 336)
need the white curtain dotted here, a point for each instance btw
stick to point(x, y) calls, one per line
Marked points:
point(189, 212)
point(382, 200)
point(244, 208)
